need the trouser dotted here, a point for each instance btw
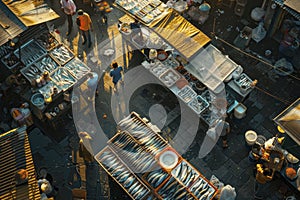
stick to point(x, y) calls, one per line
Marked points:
point(70, 23)
point(86, 35)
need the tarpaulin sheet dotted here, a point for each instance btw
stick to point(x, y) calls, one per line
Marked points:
point(31, 12)
point(181, 34)
point(289, 120)
point(10, 25)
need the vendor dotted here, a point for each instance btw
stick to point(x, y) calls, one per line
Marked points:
point(136, 27)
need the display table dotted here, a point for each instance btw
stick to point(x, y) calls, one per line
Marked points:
point(137, 156)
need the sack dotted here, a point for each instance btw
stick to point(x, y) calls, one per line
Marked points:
point(78, 21)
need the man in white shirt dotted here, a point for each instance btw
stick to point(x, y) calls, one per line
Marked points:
point(69, 8)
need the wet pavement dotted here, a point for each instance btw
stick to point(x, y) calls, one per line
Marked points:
point(57, 150)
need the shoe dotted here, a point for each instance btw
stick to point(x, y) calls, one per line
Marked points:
point(83, 43)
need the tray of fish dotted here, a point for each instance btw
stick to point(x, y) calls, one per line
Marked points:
point(47, 64)
point(134, 155)
point(185, 173)
point(61, 54)
point(243, 81)
point(142, 133)
point(63, 79)
point(77, 68)
point(10, 60)
point(187, 93)
point(31, 73)
point(158, 69)
point(208, 96)
point(202, 189)
point(122, 175)
point(198, 104)
point(30, 52)
point(48, 88)
point(156, 177)
point(4, 49)
point(172, 189)
point(47, 40)
point(209, 117)
point(171, 62)
point(169, 77)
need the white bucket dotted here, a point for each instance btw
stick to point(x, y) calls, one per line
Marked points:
point(240, 111)
point(250, 137)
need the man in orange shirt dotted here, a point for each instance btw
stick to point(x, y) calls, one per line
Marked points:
point(85, 25)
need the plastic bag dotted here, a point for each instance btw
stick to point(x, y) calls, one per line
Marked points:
point(227, 193)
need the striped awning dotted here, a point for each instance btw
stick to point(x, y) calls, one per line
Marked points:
point(285, 6)
point(15, 154)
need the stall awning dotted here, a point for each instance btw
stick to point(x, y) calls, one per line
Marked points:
point(291, 6)
point(31, 12)
point(289, 120)
point(10, 25)
point(181, 35)
point(15, 154)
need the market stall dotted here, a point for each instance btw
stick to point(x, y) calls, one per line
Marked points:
point(289, 120)
point(50, 70)
point(147, 167)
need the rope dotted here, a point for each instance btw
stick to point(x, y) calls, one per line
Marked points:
point(275, 97)
point(251, 56)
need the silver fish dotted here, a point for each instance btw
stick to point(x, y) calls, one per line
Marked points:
point(129, 182)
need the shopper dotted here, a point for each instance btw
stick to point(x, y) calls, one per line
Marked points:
point(92, 83)
point(116, 74)
point(225, 132)
point(263, 176)
point(46, 188)
point(85, 25)
point(69, 8)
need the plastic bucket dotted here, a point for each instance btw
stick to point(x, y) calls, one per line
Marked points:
point(250, 137)
point(260, 140)
point(38, 100)
point(240, 111)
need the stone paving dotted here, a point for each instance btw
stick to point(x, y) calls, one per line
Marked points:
point(231, 166)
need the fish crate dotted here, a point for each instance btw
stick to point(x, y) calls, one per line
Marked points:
point(171, 62)
point(158, 69)
point(62, 79)
point(202, 187)
point(186, 94)
point(156, 177)
point(31, 73)
point(243, 82)
point(47, 64)
point(47, 40)
point(133, 154)
point(172, 189)
point(198, 104)
point(10, 61)
point(31, 51)
point(123, 175)
point(61, 54)
point(77, 68)
point(169, 77)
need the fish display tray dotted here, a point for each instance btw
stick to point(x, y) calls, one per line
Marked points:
point(171, 62)
point(187, 94)
point(62, 79)
point(169, 77)
point(61, 54)
point(47, 40)
point(77, 68)
point(243, 81)
point(48, 88)
point(198, 104)
point(31, 73)
point(156, 178)
point(30, 52)
point(119, 171)
point(158, 69)
point(10, 61)
point(203, 189)
point(47, 63)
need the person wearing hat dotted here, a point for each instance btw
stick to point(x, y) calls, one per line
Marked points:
point(46, 188)
point(85, 25)
point(69, 8)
